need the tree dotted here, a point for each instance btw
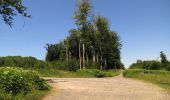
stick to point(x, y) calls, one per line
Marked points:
point(93, 44)
point(10, 8)
point(53, 52)
point(109, 44)
point(164, 62)
point(163, 57)
point(82, 16)
point(102, 28)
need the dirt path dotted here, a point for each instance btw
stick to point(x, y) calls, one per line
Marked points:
point(117, 88)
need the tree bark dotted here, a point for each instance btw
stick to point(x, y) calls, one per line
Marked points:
point(80, 56)
point(66, 53)
point(97, 58)
point(83, 56)
point(94, 58)
point(87, 58)
point(105, 63)
point(101, 58)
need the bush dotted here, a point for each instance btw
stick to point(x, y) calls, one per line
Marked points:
point(152, 65)
point(24, 62)
point(17, 81)
point(91, 65)
point(149, 65)
point(73, 65)
point(61, 65)
point(168, 66)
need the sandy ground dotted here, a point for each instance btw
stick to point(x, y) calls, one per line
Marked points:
point(116, 88)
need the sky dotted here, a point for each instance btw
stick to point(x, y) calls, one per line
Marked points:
point(143, 25)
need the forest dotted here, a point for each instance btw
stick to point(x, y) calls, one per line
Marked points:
point(92, 45)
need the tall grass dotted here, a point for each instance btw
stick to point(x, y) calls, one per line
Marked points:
point(159, 77)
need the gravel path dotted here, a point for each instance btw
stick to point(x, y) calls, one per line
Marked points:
point(116, 88)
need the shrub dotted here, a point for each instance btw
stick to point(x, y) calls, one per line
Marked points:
point(24, 62)
point(17, 81)
point(61, 65)
point(73, 65)
point(149, 65)
point(168, 66)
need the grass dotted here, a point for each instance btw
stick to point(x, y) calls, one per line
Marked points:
point(33, 95)
point(158, 77)
point(88, 73)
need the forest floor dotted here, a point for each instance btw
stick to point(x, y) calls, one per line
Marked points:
point(115, 88)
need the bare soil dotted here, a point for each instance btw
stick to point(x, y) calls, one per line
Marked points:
point(116, 88)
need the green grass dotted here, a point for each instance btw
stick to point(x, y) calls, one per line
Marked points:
point(33, 95)
point(88, 73)
point(158, 77)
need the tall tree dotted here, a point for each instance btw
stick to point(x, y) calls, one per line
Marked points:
point(164, 61)
point(109, 44)
point(163, 57)
point(102, 26)
point(82, 16)
point(10, 8)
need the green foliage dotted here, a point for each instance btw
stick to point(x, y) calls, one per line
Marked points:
point(24, 62)
point(60, 65)
point(87, 73)
point(92, 43)
point(163, 58)
point(15, 81)
point(158, 77)
point(150, 65)
point(73, 65)
point(54, 52)
point(99, 74)
point(10, 8)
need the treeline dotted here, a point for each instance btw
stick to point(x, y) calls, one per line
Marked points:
point(163, 64)
point(24, 62)
point(91, 45)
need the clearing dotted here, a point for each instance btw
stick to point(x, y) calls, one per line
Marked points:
point(115, 88)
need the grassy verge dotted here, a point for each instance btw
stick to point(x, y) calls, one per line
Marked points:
point(158, 77)
point(33, 95)
point(88, 73)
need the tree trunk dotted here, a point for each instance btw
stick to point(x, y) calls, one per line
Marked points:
point(94, 58)
point(105, 63)
point(83, 56)
point(66, 53)
point(101, 58)
point(80, 55)
point(87, 58)
point(97, 58)
point(115, 67)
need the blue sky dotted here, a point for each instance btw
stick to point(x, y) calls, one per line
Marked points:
point(143, 25)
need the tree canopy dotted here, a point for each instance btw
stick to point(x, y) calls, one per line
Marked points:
point(92, 44)
point(10, 8)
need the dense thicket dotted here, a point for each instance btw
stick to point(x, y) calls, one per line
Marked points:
point(91, 45)
point(18, 82)
point(24, 62)
point(163, 64)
